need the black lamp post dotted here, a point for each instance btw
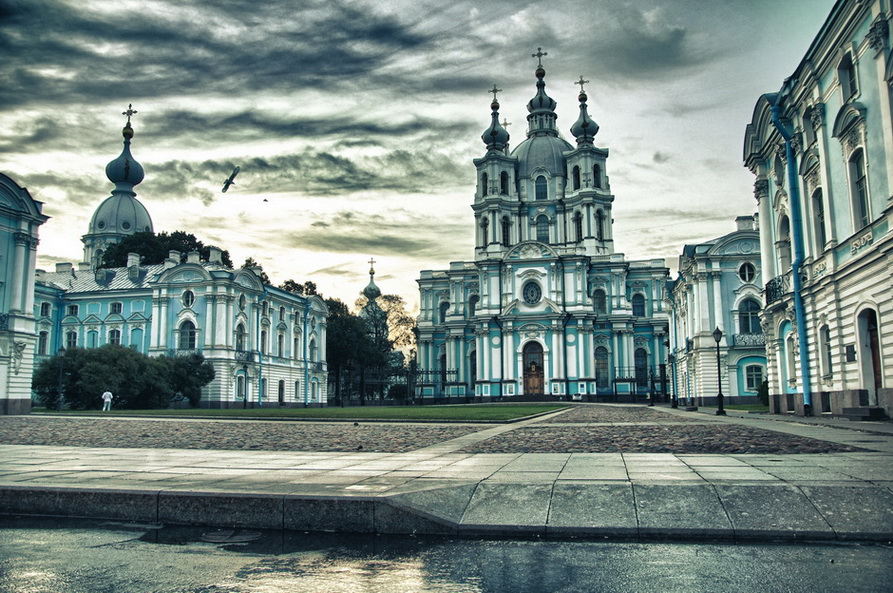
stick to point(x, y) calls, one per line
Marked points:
point(675, 398)
point(61, 370)
point(717, 336)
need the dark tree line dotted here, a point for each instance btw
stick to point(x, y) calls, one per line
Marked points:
point(137, 381)
point(155, 248)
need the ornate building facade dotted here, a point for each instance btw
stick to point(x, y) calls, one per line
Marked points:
point(267, 345)
point(546, 308)
point(20, 219)
point(719, 286)
point(822, 152)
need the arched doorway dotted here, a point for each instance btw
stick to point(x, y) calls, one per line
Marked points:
point(870, 354)
point(533, 368)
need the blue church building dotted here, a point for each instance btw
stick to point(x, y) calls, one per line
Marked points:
point(546, 308)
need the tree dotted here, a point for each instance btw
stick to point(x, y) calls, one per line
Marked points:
point(155, 248)
point(250, 263)
point(137, 381)
point(399, 323)
point(307, 289)
point(347, 341)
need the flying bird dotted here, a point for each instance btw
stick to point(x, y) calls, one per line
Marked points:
point(231, 180)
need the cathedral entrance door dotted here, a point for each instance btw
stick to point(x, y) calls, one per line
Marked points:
point(533, 368)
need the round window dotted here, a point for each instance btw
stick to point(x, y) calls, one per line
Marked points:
point(125, 225)
point(188, 298)
point(532, 293)
point(242, 303)
point(747, 272)
point(101, 224)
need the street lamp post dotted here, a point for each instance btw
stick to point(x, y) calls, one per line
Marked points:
point(675, 397)
point(717, 336)
point(61, 370)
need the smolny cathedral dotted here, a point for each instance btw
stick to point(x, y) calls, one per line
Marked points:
point(546, 306)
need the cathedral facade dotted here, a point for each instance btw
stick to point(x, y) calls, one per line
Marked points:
point(546, 308)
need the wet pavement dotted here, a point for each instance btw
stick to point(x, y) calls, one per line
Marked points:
point(826, 480)
point(80, 557)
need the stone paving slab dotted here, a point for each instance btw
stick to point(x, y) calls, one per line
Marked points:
point(440, 487)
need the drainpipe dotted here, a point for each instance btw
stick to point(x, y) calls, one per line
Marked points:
point(797, 237)
point(304, 353)
point(260, 353)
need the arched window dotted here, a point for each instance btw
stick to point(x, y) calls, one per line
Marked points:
point(263, 341)
point(578, 226)
point(542, 228)
point(280, 345)
point(187, 335)
point(71, 340)
point(641, 361)
point(506, 231)
point(282, 314)
point(473, 304)
point(297, 390)
point(42, 342)
point(749, 317)
point(783, 245)
point(281, 392)
point(601, 368)
point(313, 351)
point(484, 184)
point(444, 307)
point(600, 225)
point(859, 190)
point(818, 220)
point(542, 192)
point(92, 339)
point(600, 301)
point(296, 352)
point(638, 302)
point(596, 176)
point(136, 339)
point(576, 177)
point(44, 309)
point(240, 337)
point(115, 336)
point(485, 225)
point(504, 183)
point(240, 387)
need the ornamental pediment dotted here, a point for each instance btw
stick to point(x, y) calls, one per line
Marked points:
point(530, 250)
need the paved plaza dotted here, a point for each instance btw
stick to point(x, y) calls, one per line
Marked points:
point(589, 471)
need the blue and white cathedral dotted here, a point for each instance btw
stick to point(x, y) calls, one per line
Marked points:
point(546, 308)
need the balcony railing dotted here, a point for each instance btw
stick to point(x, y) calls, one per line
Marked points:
point(244, 356)
point(749, 339)
point(777, 288)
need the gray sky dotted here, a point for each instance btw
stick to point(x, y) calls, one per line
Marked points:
point(355, 122)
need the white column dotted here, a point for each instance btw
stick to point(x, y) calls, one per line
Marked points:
point(18, 273)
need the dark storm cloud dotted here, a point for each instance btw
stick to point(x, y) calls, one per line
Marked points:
point(398, 233)
point(57, 53)
point(81, 190)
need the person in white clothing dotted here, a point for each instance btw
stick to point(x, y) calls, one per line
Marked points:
point(106, 401)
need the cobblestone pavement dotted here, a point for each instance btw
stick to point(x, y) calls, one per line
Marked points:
point(612, 414)
point(668, 438)
point(225, 434)
point(582, 429)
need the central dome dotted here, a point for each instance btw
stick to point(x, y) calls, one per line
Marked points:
point(541, 151)
point(120, 214)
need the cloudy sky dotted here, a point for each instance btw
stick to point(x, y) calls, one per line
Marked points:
point(355, 122)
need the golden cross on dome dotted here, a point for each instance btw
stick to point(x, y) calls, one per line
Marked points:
point(130, 111)
point(506, 123)
point(581, 82)
point(539, 55)
point(371, 265)
point(494, 90)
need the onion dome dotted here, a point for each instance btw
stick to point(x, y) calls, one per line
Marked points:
point(125, 172)
point(541, 102)
point(585, 128)
point(371, 291)
point(495, 137)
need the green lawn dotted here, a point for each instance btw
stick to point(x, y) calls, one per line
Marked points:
point(748, 408)
point(454, 413)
